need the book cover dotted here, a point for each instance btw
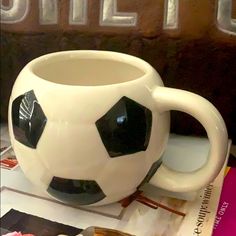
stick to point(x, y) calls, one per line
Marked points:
point(226, 212)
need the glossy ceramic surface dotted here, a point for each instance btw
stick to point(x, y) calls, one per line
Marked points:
point(79, 192)
point(125, 128)
point(89, 127)
point(28, 119)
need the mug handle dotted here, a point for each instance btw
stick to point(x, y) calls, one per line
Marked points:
point(175, 99)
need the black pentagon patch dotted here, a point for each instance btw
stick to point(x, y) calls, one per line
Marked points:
point(80, 192)
point(28, 119)
point(125, 128)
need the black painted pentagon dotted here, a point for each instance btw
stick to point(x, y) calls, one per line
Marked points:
point(80, 192)
point(125, 128)
point(28, 119)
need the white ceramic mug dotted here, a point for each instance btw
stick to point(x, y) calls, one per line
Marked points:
point(88, 127)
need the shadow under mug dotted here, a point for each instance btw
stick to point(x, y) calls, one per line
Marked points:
point(87, 127)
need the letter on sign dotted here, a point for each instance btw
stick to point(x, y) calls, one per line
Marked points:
point(109, 16)
point(171, 14)
point(15, 12)
point(224, 17)
point(48, 12)
point(78, 12)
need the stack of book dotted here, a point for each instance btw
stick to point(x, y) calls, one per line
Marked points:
point(210, 211)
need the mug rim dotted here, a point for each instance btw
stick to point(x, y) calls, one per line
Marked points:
point(131, 60)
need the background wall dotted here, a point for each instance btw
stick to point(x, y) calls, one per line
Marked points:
point(195, 51)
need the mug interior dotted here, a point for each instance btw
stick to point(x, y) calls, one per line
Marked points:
point(90, 69)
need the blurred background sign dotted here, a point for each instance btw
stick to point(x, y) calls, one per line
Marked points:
point(192, 44)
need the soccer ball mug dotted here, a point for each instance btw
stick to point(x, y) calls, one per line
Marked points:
point(87, 127)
